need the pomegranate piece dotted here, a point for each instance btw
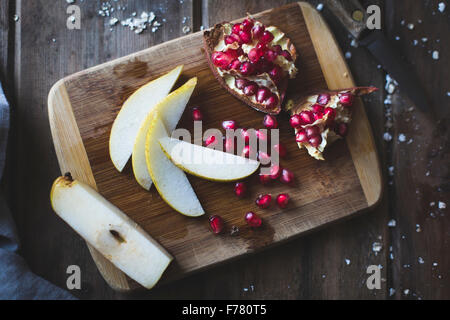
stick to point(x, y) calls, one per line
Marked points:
point(312, 131)
point(240, 189)
point(216, 224)
point(240, 83)
point(211, 140)
point(229, 124)
point(270, 122)
point(346, 99)
point(266, 37)
point(323, 99)
point(258, 31)
point(286, 54)
point(295, 121)
point(283, 200)
point(271, 102)
point(307, 117)
point(315, 141)
point(245, 36)
point(287, 177)
point(264, 201)
point(301, 136)
point(197, 114)
point(265, 179)
point(275, 171)
point(247, 69)
point(342, 129)
point(253, 220)
point(236, 28)
point(281, 149)
point(250, 89)
point(221, 60)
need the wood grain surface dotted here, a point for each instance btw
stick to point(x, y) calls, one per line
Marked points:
point(324, 192)
point(311, 267)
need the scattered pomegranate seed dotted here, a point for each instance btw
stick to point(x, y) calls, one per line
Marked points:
point(271, 102)
point(263, 201)
point(287, 176)
point(295, 121)
point(245, 36)
point(283, 200)
point(265, 179)
point(216, 224)
point(301, 136)
point(197, 114)
point(270, 122)
point(229, 124)
point(266, 37)
point(246, 151)
point(281, 149)
point(250, 89)
point(315, 141)
point(346, 99)
point(312, 131)
point(253, 220)
point(235, 64)
point(240, 189)
point(263, 157)
point(261, 134)
point(286, 54)
point(307, 117)
point(258, 31)
point(331, 113)
point(323, 99)
point(210, 140)
point(342, 129)
point(240, 83)
point(221, 60)
point(236, 28)
point(247, 68)
point(275, 172)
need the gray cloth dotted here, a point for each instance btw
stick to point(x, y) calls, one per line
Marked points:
point(16, 279)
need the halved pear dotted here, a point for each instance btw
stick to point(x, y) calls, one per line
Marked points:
point(207, 163)
point(132, 114)
point(170, 181)
point(171, 109)
point(110, 231)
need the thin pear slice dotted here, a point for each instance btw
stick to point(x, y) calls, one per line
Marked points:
point(110, 231)
point(207, 163)
point(170, 181)
point(132, 114)
point(171, 109)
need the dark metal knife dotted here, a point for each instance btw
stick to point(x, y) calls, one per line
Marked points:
point(353, 16)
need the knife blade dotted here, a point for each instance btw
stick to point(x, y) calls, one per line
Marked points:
point(353, 16)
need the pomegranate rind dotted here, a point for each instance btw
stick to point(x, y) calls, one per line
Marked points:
point(211, 38)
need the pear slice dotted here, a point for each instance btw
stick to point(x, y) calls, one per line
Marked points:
point(132, 114)
point(171, 109)
point(170, 181)
point(207, 163)
point(110, 231)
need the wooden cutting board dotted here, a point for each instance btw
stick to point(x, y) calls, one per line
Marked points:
point(82, 108)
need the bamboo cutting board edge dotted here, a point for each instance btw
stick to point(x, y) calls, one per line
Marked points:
point(67, 138)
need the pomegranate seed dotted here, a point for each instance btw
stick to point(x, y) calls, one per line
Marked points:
point(307, 117)
point(245, 36)
point(233, 54)
point(240, 83)
point(247, 68)
point(250, 89)
point(258, 31)
point(221, 60)
point(265, 179)
point(287, 176)
point(253, 220)
point(295, 121)
point(270, 122)
point(301, 136)
point(275, 171)
point(342, 129)
point(197, 114)
point(286, 54)
point(228, 145)
point(283, 200)
point(317, 108)
point(271, 102)
point(246, 151)
point(277, 48)
point(266, 37)
point(229, 124)
point(263, 201)
point(261, 134)
point(276, 73)
point(210, 140)
point(232, 38)
point(331, 113)
point(216, 224)
point(247, 25)
point(240, 189)
point(270, 55)
point(315, 141)
point(323, 99)
point(346, 99)
point(236, 28)
point(281, 149)
point(235, 64)
point(318, 116)
point(312, 131)
point(255, 54)
point(262, 94)
point(263, 157)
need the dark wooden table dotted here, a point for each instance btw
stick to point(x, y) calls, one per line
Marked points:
point(38, 49)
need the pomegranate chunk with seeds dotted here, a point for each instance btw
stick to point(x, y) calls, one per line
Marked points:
point(264, 201)
point(216, 224)
point(253, 220)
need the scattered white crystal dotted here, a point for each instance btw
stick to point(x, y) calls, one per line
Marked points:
point(391, 256)
point(70, 1)
point(387, 136)
point(427, 173)
point(376, 247)
point(406, 266)
point(392, 223)
point(420, 260)
point(324, 276)
point(16, 17)
point(410, 141)
point(435, 55)
point(348, 55)
point(406, 292)
point(401, 137)
point(347, 261)
point(397, 38)
point(410, 26)
point(354, 43)
point(402, 22)
point(113, 21)
point(442, 205)
point(415, 42)
point(432, 204)
point(391, 292)
point(435, 264)
point(418, 228)
point(186, 29)
point(432, 214)
point(441, 6)
point(319, 7)
point(245, 289)
point(424, 39)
